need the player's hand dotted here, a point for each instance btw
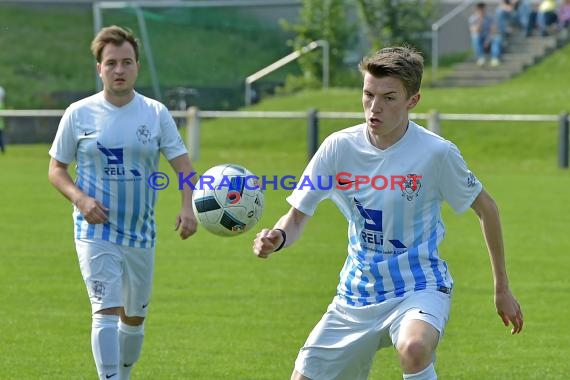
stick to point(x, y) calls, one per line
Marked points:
point(509, 310)
point(266, 242)
point(92, 210)
point(186, 223)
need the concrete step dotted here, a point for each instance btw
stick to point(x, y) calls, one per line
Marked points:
point(511, 65)
point(482, 74)
point(466, 82)
point(529, 49)
point(519, 54)
point(532, 40)
point(520, 58)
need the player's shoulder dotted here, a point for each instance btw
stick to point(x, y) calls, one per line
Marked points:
point(86, 102)
point(429, 140)
point(150, 102)
point(345, 139)
point(347, 135)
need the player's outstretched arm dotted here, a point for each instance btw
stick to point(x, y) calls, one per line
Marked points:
point(93, 211)
point(186, 222)
point(507, 306)
point(286, 231)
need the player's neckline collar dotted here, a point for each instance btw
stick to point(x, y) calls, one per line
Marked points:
point(114, 106)
point(392, 147)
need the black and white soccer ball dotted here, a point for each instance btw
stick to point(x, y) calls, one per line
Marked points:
point(228, 200)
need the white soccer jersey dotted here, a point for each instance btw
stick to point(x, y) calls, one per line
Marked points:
point(394, 220)
point(116, 149)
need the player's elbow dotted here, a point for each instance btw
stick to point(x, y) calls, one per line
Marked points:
point(485, 205)
point(51, 174)
point(55, 171)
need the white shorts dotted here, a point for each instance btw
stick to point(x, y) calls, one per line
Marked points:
point(343, 343)
point(116, 275)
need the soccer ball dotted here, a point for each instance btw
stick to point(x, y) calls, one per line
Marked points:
point(227, 200)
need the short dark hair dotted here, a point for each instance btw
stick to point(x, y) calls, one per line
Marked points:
point(402, 62)
point(115, 35)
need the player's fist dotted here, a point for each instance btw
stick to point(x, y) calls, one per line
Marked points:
point(93, 211)
point(186, 223)
point(266, 242)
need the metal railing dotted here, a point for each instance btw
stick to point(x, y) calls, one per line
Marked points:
point(436, 26)
point(285, 60)
point(194, 116)
point(433, 118)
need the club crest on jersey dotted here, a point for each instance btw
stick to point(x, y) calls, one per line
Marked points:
point(411, 187)
point(143, 134)
point(471, 180)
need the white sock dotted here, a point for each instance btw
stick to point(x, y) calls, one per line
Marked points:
point(427, 373)
point(105, 345)
point(131, 340)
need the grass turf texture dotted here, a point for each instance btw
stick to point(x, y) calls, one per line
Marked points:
point(220, 313)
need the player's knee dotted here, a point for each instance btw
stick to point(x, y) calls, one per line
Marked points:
point(131, 329)
point(132, 321)
point(415, 353)
point(109, 311)
point(297, 376)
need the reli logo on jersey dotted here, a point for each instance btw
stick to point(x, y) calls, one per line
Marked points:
point(115, 162)
point(372, 233)
point(114, 155)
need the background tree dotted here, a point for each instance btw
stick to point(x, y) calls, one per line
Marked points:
point(390, 22)
point(320, 20)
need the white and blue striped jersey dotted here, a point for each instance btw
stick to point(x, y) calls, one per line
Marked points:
point(394, 221)
point(115, 150)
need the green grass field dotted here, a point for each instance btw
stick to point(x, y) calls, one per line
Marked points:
point(220, 313)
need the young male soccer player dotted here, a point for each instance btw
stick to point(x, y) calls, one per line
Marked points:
point(116, 137)
point(394, 287)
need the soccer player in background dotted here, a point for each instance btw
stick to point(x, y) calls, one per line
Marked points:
point(394, 288)
point(116, 137)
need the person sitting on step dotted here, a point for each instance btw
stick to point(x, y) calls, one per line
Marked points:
point(484, 35)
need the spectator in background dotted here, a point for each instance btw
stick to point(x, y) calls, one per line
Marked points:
point(524, 16)
point(484, 35)
point(564, 14)
point(2, 125)
point(504, 17)
point(547, 16)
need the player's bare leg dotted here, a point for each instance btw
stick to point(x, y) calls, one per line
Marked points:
point(416, 346)
point(297, 376)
